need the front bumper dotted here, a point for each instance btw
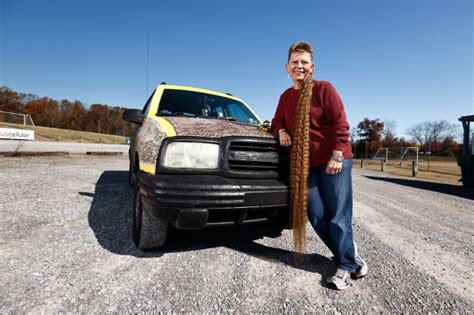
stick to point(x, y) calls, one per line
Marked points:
point(197, 201)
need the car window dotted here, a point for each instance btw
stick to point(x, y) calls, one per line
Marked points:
point(196, 104)
point(240, 114)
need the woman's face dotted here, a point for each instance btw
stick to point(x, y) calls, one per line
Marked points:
point(299, 65)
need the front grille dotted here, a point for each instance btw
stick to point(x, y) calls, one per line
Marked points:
point(254, 157)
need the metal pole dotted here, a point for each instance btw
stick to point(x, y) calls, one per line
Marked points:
point(146, 91)
point(429, 155)
point(429, 159)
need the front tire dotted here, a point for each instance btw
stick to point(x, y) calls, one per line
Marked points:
point(132, 171)
point(148, 232)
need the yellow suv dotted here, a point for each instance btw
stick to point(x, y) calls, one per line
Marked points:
point(201, 158)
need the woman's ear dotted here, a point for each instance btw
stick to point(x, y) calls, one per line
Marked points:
point(287, 71)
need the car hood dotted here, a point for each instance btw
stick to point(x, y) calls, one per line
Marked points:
point(213, 128)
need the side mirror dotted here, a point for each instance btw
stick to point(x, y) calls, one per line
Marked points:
point(135, 116)
point(265, 126)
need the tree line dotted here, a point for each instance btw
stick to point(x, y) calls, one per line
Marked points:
point(433, 137)
point(65, 114)
point(436, 137)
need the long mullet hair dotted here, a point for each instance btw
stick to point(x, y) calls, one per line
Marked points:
point(299, 158)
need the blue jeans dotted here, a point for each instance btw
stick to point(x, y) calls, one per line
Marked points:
point(330, 212)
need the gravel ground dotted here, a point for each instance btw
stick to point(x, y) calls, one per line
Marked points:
point(66, 247)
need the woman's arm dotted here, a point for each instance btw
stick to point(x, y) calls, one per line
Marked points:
point(279, 125)
point(340, 129)
point(334, 109)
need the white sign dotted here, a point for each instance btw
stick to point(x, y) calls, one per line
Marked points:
point(18, 134)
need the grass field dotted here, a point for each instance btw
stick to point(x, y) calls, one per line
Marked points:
point(439, 169)
point(64, 135)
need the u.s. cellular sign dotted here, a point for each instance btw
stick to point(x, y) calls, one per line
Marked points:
point(17, 134)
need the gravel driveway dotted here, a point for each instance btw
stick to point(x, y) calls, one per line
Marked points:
point(66, 247)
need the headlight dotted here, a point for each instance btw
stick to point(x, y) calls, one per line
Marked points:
point(191, 155)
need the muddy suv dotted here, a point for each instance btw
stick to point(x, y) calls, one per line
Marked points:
point(200, 158)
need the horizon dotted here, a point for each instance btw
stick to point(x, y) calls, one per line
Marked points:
point(408, 62)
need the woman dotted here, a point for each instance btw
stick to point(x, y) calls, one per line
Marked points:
point(310, 118)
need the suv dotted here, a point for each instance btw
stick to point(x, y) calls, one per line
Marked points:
point(200, 158)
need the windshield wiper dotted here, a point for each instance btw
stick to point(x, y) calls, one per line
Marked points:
point(166, 113)
point(182, 114)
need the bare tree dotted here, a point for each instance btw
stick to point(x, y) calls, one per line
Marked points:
point(389, 138)
point(389, 126)
point(430, 133)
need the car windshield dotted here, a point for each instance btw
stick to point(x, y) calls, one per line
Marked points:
point(196, 104)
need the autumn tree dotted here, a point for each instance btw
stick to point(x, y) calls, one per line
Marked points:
point(118, 126)
point(10, 101)
point(448, 146)
point(97, 119)
point(72, 115)
point(370, 133)
point(44, 111)
point(65, 114)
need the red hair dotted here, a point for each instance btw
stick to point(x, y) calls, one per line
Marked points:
point(299, 160)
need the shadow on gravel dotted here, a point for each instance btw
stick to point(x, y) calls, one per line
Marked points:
point(311, 262)
point(110, 215)
point(242, 239)
point(110, 218)
point(459, 191)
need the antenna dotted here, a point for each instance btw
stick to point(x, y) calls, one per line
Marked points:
point(146, 89)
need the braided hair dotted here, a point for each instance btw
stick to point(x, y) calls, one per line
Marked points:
point(299, 158)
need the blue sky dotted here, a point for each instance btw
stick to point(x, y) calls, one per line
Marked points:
point(406, 61)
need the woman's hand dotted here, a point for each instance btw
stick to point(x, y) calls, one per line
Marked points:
point(285, 139)
point(334, 165)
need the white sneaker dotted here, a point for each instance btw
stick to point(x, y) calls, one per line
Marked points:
point(341, 279)
point(362, 269)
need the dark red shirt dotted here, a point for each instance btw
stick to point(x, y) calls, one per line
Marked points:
point(329, 129)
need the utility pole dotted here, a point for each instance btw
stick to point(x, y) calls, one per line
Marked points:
point(146, 89)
